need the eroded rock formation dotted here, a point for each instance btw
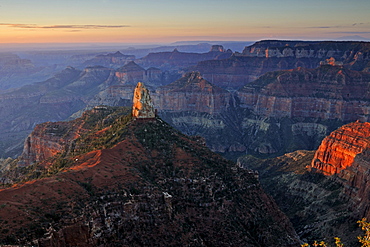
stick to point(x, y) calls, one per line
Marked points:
point(339, 150)
point(142, 103)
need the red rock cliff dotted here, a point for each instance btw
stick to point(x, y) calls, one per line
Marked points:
point(47, 140)
point(345, 154)
point(339, 150)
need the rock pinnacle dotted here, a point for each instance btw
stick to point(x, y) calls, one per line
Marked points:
point(142, 103)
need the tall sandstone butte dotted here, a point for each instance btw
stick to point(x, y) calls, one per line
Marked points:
point(339, 150)
point(142, 103)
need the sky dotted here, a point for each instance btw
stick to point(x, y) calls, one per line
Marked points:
point(166, 21)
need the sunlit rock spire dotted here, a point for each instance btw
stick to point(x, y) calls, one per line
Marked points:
point(142, 103)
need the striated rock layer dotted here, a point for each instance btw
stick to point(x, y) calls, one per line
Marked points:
point(345, 154)
point(272, 55)
point(192, 93)
point(327, 92)
point(339, 150)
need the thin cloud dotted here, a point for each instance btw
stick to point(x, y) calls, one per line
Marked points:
point(352, 32)
point(34, 26)
point(327, 27)
point(359, 24)
point(342, 26)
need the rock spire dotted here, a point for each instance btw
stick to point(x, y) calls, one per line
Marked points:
point(142, 103)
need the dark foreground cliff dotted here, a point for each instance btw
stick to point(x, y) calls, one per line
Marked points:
point(127, 182)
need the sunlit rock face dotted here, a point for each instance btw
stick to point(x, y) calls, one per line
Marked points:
point(339, 150)
point(142, 103)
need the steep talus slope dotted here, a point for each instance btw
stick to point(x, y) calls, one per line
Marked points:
point(140, 182)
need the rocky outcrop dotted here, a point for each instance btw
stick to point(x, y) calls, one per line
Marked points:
point(142, 107)
point(192, 93)
point(51, 138)
point(47, 140)
point(339, 150)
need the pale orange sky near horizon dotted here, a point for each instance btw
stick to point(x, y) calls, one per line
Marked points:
point(145, 21)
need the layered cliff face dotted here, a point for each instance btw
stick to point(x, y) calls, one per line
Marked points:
point(269, 55)
point(338, 150)
point(345, 154)
point(281, 112)
point(238, 70)
point(352, 54)
point(54, 138)
point(327, 92)
point(46, 141)
point(139, 183)
point(192, 93)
